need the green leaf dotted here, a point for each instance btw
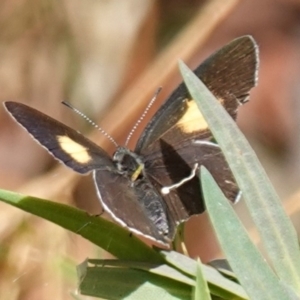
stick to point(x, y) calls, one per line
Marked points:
point(278, 234)
point(126, 283)
point(176, 271)
point(218, 284)
point(201, 291)
point(107, 235)
point(247, 263)
point(159, 269)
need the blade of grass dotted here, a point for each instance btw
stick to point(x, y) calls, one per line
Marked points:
point(159, 269)
point(105, 234)
point(201, 291)
point(277, 232)
point(251, 268)
point(126, 283)
point(218, 284)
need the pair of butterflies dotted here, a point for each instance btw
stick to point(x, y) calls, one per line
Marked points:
point(174, 143)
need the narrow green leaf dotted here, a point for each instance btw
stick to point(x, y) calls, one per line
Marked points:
point(105, 234)
point(218, 284)
point(277, 232)
point(201, 291)
point(159, 269)
point(124, 283)
point(247, 263)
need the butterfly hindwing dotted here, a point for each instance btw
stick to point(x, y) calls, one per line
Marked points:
point(137, 205)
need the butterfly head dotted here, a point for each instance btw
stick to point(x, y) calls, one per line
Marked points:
point(129, 163)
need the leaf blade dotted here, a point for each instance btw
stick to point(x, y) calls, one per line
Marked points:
point(99, 231)
point(277, 232)
point(247, 263)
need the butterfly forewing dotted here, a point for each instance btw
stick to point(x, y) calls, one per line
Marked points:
point(64, 143)
point(230, 74)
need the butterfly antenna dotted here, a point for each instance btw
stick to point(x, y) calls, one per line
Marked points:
point(142, 116)
point(91, 122)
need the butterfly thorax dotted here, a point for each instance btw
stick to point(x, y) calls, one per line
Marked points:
point(129, 163)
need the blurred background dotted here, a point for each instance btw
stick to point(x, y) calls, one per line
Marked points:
point(107, 58)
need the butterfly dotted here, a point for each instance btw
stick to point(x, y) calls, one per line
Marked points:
point(155, 187)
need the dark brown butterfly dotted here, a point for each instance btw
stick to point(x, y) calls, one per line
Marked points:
point(173, 145)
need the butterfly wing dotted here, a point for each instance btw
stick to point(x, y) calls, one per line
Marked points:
point(120, 196)
point(230, 73)
point(63, 142)
point(136, 205)
point(170, 165)
point(178, 137)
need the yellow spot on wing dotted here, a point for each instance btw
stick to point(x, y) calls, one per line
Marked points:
point(192, 120)
point(75, 150)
